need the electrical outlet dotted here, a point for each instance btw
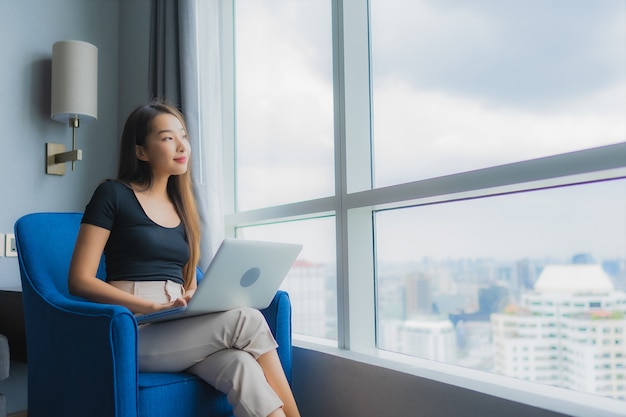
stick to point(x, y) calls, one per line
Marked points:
point(1, 245)
point(9, 245)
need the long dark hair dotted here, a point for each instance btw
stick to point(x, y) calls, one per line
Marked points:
point(179, 187)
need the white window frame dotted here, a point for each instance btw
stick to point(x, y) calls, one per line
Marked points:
point(355, 202)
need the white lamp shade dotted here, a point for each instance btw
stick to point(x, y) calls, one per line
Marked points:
point(74, 81)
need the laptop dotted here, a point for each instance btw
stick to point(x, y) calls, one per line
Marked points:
point(243, 273)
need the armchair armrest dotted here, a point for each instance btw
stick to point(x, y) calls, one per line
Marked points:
point(278, 316)
point(71, 340)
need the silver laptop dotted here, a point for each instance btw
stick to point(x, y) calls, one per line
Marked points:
point(243, 273)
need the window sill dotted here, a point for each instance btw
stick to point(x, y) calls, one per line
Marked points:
point(555, 399)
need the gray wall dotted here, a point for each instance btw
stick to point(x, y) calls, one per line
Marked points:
point(29, 28)
point(332, 386)
point(134, 42)
point(324, 385)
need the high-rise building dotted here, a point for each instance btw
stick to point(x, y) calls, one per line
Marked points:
point(569, 331)
point(306, 285)
point(430, 338)
point(427, 337)
point(418, 295)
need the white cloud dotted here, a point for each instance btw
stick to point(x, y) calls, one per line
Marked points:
point(284, 103)
point(423, 134)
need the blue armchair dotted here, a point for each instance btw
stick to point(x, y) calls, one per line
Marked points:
point(82, 356)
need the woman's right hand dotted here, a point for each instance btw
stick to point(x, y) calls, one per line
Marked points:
point(179, 302)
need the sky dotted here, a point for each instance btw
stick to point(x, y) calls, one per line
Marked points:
point(513, 53)
point(460, 85)
point(554, 223)
point(457, 85)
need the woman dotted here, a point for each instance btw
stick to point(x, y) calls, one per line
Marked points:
point(147, 224)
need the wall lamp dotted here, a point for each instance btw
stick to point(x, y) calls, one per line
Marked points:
point(74, 97)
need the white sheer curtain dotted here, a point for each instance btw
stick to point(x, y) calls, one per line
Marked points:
point(201, 101)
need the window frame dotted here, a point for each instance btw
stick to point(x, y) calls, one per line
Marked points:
point(356, 201)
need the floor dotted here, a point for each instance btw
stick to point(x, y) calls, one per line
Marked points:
point(15, 388)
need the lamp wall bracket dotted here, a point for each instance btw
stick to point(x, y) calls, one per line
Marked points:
point(56, 157)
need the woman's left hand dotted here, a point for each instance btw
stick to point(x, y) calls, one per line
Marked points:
point(189, 294)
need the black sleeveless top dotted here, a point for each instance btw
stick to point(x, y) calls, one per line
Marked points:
point(138, 249)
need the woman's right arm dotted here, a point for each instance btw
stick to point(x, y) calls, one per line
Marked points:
point(82, 278)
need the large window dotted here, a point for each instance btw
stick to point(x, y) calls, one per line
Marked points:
point(483, 283)
point(456, 171)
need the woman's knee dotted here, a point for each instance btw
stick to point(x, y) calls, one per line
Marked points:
point(226, 368)
point(248, 313)
point(252, 332)
point(246, 318)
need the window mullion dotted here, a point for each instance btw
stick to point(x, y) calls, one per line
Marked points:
point(353, 167)
point(227, 55)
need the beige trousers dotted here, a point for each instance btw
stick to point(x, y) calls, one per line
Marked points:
point(220, 348)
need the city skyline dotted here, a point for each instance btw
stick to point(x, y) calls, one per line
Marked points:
point(454, 322)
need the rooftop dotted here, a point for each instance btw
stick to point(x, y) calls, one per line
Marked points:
point(575, 278)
